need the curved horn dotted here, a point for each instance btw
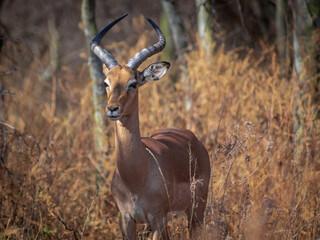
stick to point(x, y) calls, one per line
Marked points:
point(145, 53)
point(101, 53)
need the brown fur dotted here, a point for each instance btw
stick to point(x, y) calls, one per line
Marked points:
point(153, 175)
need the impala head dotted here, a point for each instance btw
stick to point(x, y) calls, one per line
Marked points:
point(122, 81)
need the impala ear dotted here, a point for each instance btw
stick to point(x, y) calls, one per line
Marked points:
point(105, 70)
point(154, 72)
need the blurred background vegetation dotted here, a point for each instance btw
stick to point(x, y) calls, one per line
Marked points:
point(252, 66)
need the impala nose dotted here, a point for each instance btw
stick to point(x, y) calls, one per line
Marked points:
point(112, 113)
point(113, 109)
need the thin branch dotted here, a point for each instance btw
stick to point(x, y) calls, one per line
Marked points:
point(18, 134)
point(304, 226)
point(74, 231)
point(213, 155)
point(6, 92)
point(226, 180)
point(8, 72)
point(87, 218)
point(9, 126)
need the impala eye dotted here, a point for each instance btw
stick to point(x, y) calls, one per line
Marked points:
point(133, 85)
point(105, 84)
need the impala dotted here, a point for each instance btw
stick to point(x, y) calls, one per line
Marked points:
point(155, 176)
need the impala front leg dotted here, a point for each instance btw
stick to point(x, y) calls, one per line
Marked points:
point(128, 226)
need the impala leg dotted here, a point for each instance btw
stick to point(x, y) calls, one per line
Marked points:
point(159, 230)
point(195, 215)
point(128, 227)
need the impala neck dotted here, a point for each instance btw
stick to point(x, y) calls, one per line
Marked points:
point(128, 133)
point(130, 151)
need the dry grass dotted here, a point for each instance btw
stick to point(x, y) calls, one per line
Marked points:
point(266, 178)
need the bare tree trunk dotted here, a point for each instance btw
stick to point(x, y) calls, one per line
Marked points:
point(96, 75)
point(281, 29)
point(204, 17)
point(305, 43)
point(314, 12)
point(298, 42)
point(168, 51)
point(53, 50)
point(176, 25)
point(180, 42)
point(301, 25)
point(4, 34)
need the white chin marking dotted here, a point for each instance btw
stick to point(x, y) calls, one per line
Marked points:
point(114, 118)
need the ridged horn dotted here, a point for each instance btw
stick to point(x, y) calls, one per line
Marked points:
point(100, 52)
point(145, 53)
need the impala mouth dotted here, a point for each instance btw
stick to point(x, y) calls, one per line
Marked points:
point(113, 116)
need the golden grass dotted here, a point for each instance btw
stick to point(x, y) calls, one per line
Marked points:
point(266, 178)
